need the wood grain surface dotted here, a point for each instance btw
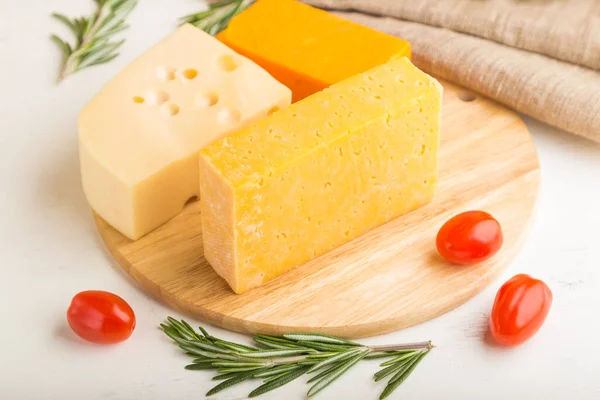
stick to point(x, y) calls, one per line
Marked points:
point(385, 280)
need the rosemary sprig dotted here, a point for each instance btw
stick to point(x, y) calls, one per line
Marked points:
point(280, 360)
point(93, 36)
point(218, 15)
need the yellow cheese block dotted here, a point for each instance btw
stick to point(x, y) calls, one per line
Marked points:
point(305, 48)
point(319, 173)
point(139, 136)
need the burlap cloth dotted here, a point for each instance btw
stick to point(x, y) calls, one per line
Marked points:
point(539, 57)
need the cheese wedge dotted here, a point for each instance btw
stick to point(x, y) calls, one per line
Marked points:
point(319, 173)
point(139, 137)
point(305, 48)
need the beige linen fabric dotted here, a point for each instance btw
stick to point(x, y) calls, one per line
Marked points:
point(507, 68)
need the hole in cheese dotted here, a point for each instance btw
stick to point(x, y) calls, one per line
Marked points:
point(228, 63)
point(229, 116)
point(171, 109)
point(272, 110)
point(165, 73)
point(138, 99)
point(157, 97)
point(189, 73)
point(207, 99)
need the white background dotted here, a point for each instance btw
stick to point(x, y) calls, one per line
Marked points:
point(49, 251)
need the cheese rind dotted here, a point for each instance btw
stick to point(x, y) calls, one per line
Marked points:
point(319, 173)
point(305, 48)
point(139, 136)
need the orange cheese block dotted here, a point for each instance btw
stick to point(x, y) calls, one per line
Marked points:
point(305, 48)
point(319, 173)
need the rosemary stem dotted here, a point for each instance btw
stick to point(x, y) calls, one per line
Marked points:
point(408, 346)
point(67, 69)
point(92, 31)
point(283, 359)
point(287, 360)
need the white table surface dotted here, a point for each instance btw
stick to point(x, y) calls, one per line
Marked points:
point(49, 251)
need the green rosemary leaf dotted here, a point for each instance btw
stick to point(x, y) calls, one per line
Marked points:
point(272, 345)
point(235, 11)
point(82, 26)
point(282, 380)
point(101, 60)
point(409, 367)
point(120, 27)
point(223, 377)
point(391, 369)
point(323, 373)
point(205, 360)
point(230, 370)
point(324, 346)
point(308, 362)
point(209, 347)
point(206, 335)
point(234, 346)
point(93, 36)
point(313, 337)
point(276, 370)
point(102, 48)
point(221, 4)
point(208, 354)
point(397, 359)
point(276, 340)
point(218, 15)
point(174, 335)
point(274, 378)
point(67, 22)
point(174, 324)
point(273, 353)
point(397, 381)
point(97, 59)
point(330, 378)
point(335, 359)
point(195, 367)
point(64, 47)
point(191, 330)
point(276, 343)
point(230, 382)
point(194, 17)
point(386, 354)
point(318, 356)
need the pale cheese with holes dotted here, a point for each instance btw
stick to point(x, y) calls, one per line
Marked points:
point(319, 173)
point(139, 137)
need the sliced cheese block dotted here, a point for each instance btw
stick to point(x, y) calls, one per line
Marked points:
point(305, 48)
point(319, 173)
point(139, 137)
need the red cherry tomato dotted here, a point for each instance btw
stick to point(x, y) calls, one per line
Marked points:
point(469, 238)
point(101, 317)
point(520, 308)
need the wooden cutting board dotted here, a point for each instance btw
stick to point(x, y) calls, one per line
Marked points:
point(388, 279)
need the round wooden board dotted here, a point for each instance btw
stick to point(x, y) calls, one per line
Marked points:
point(387, 279)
